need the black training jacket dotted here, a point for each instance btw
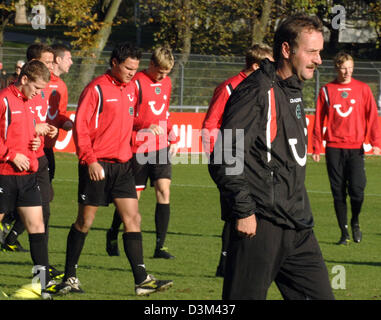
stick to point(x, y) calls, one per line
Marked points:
point(259, 164)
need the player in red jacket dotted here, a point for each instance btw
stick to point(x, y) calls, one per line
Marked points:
point(102, 136)
point(153, 143)
point(58, 98)
point(213, 120)
point(350, 111)
point(19, 164)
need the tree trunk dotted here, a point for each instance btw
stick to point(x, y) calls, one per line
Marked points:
point(20, 17)
point(88, 64)
point(185, 35)
point(259, 26)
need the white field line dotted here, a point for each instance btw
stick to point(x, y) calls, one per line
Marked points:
point(214, 187)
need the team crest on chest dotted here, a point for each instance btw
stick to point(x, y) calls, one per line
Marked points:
point(344, 94)
point(131, 111)
point(298, 111)
point(157, 90)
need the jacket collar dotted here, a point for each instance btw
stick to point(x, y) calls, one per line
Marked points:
point(17, 92)
point(269, 68)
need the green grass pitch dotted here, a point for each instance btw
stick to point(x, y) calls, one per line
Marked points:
point(194, 238)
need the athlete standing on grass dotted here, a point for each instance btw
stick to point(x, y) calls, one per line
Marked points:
point(102, 136)
point(153, 143)
point(19, 164)
point(213, 120)
point(264, 128)
point(350, 110)
point(57, 95)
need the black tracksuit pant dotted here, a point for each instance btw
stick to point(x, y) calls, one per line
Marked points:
point(291, 258)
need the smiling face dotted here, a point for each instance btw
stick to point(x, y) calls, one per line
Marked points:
point(125, 70)
point(64, 63)
point(345, 71)
point(305, 58)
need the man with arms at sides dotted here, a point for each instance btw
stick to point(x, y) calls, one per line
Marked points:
point(152, 121)
point(102, 136)
point(19, 164)
point(264, 128)
point(58, 98)
point(350, 111)
point(213, 120)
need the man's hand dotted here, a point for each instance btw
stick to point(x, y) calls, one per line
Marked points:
point(42, 129)
point(316, 157)
point(21, 162)
point(34, 144)
point(156, 129)
point(53, 131)
point(376, 151)
point(173, 149)
point(96, 171)
point(247, 226)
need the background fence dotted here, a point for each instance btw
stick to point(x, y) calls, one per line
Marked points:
point(195, 81)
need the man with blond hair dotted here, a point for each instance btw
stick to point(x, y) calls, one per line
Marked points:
point(153, 143)
point(350, 111)
point(213, 119)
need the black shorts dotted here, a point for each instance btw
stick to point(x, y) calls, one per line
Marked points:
point(153, 165)
point(18, 191)
point(43, 179)
point(119, 182)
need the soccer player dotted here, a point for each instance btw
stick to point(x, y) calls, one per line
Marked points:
point(57, 94)
point(263, 151)
point(102, 136)
point(39, 106)
point(152, 150)
point(350, 111)
point(19, 163)
point(213, 120)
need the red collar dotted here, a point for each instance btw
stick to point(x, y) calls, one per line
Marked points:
point(17, 92)
point(114, 81)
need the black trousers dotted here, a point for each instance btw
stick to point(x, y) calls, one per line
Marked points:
point(289, 257)
point(346, 172)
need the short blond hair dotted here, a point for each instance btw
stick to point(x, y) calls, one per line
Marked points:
point(257, 53)
point(162, 57)
point(340, 58)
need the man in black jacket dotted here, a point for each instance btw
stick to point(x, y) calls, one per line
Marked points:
point(258, 165)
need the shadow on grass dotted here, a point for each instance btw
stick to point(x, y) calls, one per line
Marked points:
point(146, 231)
point(357, 263)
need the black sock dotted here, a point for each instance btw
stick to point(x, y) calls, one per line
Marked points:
point(162, 213)
point(115, 225)
point(74, 246)
point(356, 209)
point(341, 215)
point(46, 216)
point(133, 247)
point(39, 254)
point(17, 229)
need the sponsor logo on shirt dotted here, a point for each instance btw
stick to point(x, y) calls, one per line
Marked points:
point(295, 100)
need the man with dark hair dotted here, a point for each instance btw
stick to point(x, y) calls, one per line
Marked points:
point(19, 164)
point(57, 98)
point(102, 136)
point(213, 119)
point(264, 131)
point(156, 147)
point(350, 111)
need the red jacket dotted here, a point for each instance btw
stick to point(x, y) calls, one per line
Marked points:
point(104, 120)
point(350, 114)
point(39, 108)
point(154, 98)
point(57, 95)
point(213, 118)
point(16, 131)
